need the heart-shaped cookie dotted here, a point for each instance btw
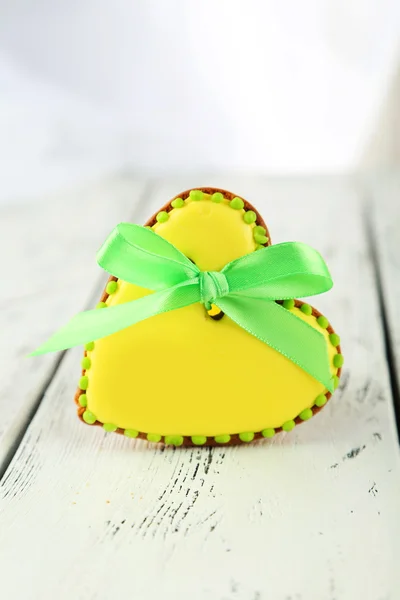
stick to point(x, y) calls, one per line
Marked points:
point(192, 376)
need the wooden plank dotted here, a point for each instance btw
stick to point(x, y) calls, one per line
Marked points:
point(383, 194)
point(48, 274)
point(308, 516)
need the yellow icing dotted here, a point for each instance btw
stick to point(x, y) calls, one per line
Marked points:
point(210, 234)
point(184, 373)
point(214, 310)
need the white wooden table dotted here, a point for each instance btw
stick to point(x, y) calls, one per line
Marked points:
point(312, 515)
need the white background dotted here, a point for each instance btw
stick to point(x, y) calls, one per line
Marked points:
point(274, 86)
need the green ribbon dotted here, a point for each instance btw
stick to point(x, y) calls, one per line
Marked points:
point(245, 290)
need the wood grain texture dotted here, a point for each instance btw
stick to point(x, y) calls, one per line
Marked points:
point(310, 515)
point(48, 274)
point(383, 197)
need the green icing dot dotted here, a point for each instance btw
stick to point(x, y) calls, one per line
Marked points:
point(320, 400)
point(335, 339)
point(83, 383)
point(101, 305)
point(259, 247)
point(260, 230)
point(196, 195)
point(246, 436)
point(306, 309)
point(162, 216)
point(338, 360)
point(153, 437)
point(288, 304)
point(335, 381)
point(82, 400)
point(323, 322)
point(86, 362)
point(111, 287)
point(306, 414)
point(217, 197)
point(268, 433)
point(174, 440)
point(199, 440)
point(177, 203)
point(132, 433)
point(110, 427)
point(89, 347)
point(89, 417)
point(260, 239)
point(236, 203)
point(222, 439)
point(288, 426)
point(249, 217)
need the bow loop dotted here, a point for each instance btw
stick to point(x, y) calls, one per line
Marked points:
point(140, 256)
point(213, 285)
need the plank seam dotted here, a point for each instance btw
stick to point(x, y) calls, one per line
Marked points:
point(383, 310)
point(99, 284)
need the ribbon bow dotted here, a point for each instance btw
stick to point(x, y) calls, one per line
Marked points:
point(245, 290)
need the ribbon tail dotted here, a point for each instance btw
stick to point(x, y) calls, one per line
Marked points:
point(95, 324)
point(283, 331)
